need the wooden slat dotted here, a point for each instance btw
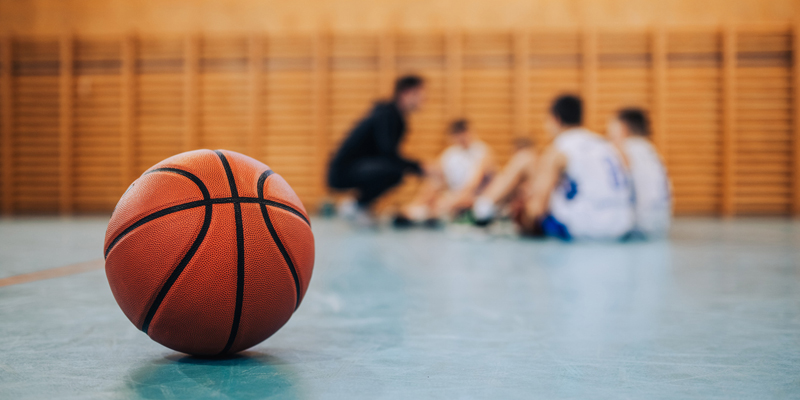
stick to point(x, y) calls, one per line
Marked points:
point(454, 57)
point(7, 126)
point(191, 90)
point(255, 60)
point(796, 109)
point(387, 64)
point(66, 57)
point(521, 84)
point(729, 121)
point(589, 78)
point(659, 117)
point(128, 111)
point(321, 82)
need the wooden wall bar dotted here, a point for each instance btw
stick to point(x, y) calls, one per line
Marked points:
point(521, 83)
point(658, 113)
point(81, 117)
point(729, 63)
point(128, 86)
point(6, 128)
point(796, 127)
point(319, 81)
point(66, 143)
point(191, 93)
point(590, 71)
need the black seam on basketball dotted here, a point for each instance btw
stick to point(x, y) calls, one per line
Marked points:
point(276, 239)
point(166, 211)
point(261, 179)
point(201, 203)
point(281, 206)
point(237, 315)
point(237, 208)
point(179, 269)
point(283, 251)
point(194, 178)
point(228, 173)
point(264, 175)
point(189, 254)
point(155, 215)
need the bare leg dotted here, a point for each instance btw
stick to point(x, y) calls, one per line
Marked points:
point(517, 172)
point(444, 204)
point(519, 169)
point(423, 204)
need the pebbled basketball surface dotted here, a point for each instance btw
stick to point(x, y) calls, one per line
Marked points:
point(209, 252)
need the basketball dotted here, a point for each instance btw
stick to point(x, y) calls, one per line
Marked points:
point(209, 252)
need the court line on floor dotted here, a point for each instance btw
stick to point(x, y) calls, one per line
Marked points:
point(57, 272)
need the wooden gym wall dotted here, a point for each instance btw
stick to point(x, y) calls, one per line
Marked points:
point(82, 116)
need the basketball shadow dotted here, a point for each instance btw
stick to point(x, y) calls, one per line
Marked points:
point(248, 375)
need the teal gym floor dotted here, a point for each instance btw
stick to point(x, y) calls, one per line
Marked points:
point(712, 313)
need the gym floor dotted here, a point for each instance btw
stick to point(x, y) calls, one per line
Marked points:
point(712, 313)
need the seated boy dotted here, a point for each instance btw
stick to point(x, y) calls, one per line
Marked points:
point(577, 188)
point(629, 131)
point(453, 182)
point(510, 186)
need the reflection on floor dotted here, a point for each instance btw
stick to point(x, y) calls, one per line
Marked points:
point(712, 313)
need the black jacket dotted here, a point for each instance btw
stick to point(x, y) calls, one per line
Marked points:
point(377, 135)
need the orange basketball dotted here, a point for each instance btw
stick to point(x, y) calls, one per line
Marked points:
point(209, 252)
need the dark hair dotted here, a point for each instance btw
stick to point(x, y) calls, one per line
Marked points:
point(405, 83)
point(636, 120)
point(568, 109)
point(459, 126)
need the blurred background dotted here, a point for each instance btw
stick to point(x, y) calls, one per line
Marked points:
point(94, 92)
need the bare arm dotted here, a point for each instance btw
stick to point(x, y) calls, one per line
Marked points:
point(548, 173)
point(519, 169)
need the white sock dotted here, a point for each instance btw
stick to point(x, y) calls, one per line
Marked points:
point(483, 208)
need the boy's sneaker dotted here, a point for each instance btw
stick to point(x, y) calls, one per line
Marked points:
point(401, 221)
point(433, 223)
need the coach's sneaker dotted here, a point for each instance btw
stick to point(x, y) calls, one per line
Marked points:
point(357, 215)
point(362, 218)
point(347, 208)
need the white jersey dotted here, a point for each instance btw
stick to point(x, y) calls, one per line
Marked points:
point(593, 198)
point(651, 188)
point(459, 164)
